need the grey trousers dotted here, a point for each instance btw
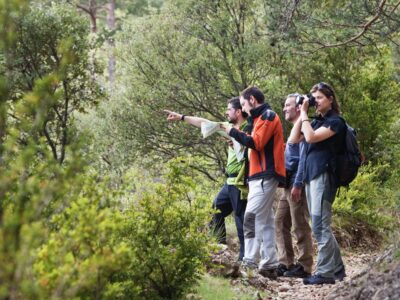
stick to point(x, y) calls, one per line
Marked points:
point(259, 225)
point(320, 195)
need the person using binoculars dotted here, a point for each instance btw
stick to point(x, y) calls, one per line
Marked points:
point(323, 136)
point(292, 210)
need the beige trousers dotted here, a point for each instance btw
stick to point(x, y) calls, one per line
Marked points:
point(290, 214)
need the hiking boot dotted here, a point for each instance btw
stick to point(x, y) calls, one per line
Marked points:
point(247, 269)
point(340, 275)
point(234, 271)
point(318, 279)
point(297, 271)
point(281, 269)
point(248, 265)
point(270, 273)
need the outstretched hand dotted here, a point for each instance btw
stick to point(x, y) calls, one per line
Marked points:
point(173, 116)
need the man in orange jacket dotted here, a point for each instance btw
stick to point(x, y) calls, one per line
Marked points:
point(267, 170)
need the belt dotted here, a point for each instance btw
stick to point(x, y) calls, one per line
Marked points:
point(232, 175)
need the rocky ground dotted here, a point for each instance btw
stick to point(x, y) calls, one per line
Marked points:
point(379, 280)
point(374, 275)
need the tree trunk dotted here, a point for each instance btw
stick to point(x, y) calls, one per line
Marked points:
point(110, 41)
point(93, 15)
point(91, 10)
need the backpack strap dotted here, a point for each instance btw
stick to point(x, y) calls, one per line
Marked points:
point(333, 161)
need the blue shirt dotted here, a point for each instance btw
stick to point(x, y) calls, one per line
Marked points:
point(294, 163)
point(320, 156)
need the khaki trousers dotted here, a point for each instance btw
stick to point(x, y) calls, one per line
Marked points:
point(293, 214)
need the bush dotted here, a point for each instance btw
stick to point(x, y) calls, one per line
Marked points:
point(166, 228)
point(83, 253)
point(368, 199)
point(154, 249)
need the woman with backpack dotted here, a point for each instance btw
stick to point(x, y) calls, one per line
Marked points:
point(324, 137)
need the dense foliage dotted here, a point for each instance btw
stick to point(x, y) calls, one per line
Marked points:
point(64, 236)
point(100, 197)
point(193, 57)
point(44, 38)
point(154, 248)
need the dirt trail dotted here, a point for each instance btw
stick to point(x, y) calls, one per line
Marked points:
point(288, 288)
point(365, 276)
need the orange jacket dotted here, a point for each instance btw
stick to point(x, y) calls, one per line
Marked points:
point(266, 144)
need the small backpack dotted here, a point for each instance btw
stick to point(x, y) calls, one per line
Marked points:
point(349, 161)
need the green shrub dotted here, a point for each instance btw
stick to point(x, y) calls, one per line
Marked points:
point(368, 199)
point(80, 258)
point(153, 249)
point(166, 228)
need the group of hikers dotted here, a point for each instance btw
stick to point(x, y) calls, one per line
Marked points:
point(304, 167)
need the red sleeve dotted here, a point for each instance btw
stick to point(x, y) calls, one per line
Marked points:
point(263, 132)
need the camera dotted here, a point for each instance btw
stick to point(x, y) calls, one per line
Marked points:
point(300, 99)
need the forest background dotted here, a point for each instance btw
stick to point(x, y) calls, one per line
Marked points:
point(100, 197)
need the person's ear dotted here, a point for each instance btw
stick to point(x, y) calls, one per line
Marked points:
point(252, 100)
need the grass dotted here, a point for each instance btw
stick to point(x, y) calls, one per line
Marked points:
point(213, 288)
point(397, 255)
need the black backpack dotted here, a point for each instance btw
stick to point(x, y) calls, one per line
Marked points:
point(349, 160)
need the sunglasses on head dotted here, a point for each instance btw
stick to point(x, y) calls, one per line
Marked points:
point(324, 86)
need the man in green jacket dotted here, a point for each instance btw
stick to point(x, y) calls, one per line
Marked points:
point(229, 198)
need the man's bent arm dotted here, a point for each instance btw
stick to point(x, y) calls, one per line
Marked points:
point(242, 138)
point(295, 134)
point(259, 137)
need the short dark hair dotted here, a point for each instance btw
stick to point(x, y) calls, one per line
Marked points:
point(235, 102)
point(255, 92)
point(328, 91)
